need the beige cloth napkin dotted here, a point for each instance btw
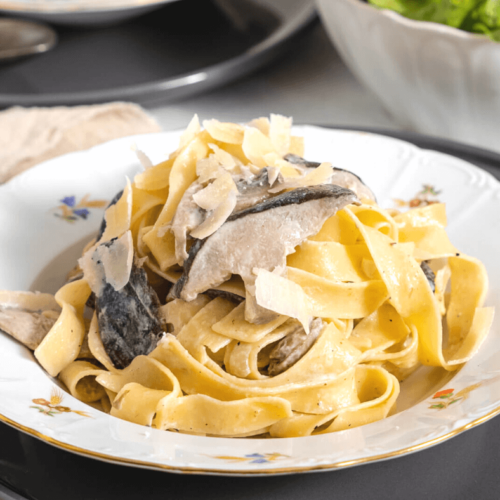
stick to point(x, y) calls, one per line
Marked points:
point(29, 136)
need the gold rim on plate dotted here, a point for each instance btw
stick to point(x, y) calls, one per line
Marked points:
point(248, 472)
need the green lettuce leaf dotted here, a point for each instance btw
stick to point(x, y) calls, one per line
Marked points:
point(476, 16)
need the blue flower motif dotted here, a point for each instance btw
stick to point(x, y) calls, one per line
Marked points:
point(259, 461)
point(255, 455)
point(69, 201)
point(82, 212)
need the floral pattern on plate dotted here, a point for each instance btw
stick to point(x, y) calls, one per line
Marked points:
point(53, 406)
point(448, 397)
point(426, 196)
point(71, 211)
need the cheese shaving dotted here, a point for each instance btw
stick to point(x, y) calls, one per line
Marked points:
point(142, 157)
point(282, 296)
point(210, 197)
point(320, 175)
point(109, 263)
point(280, 133)
point(216, 218)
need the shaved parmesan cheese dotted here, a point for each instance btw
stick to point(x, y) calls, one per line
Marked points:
point(227, 160)
point(231, 133)
point(142, 157)
point(280, 132)
point(282, 296)
point(109, 263)
point(285, 167)
point(192, 130)
point(216, 218)
point(256, 145)
point(296, 146)
point(261, 124)
point(272, 174)
point(208, 169)
point(320, 175)
point(210, 197)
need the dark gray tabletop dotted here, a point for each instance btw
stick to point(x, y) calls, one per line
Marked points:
point(465, 467)
point(176, 51)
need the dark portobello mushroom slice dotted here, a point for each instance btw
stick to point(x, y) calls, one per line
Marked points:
point(232, 297)
point(293, 347)
point(429, 274)
point(189, 215)
point(253, 190)
point(259, 237)
point(341, 177)
point(129, 319)
point(126, 305)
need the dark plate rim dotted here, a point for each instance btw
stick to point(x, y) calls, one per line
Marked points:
point(188, 83)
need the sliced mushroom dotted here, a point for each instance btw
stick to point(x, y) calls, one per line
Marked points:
point(213, 293)
point(429, 274)
point(27, 316)
point(293, 347)
point(187, 217)
point(28, 327)
point(301, 162)
point(129, 320)
point(341, 177)
point(253, 190)
point(127, 307)
point(259, 237)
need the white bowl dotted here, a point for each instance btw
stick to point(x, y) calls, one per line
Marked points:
point(432, 78)
point(38, 245)
point(83, 13)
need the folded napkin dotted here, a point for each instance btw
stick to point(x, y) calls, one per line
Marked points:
point(29, 136)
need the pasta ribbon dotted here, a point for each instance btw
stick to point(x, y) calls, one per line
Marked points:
point(242, 358)
point(198, 333)
point(80, 378)
point(376, 392)
point(137, 403)
point(182, 175)
point(331, 260)
point(330, 299)
point(62, 344)
point(304, 384)
point(234, 326)
point(118, 216)
point(145, 371)
point(412, 297)
point(156, 177)
point(426, 228)
point(205, 415)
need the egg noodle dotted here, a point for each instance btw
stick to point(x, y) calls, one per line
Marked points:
point(361, 274)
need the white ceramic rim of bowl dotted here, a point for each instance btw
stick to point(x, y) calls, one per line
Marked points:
point(423, 25)
point(75, 6)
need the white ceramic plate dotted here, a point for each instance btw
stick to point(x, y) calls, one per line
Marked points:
point(39, 242)
point(80, 12)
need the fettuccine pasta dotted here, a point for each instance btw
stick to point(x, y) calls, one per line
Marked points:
point(236, 289)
